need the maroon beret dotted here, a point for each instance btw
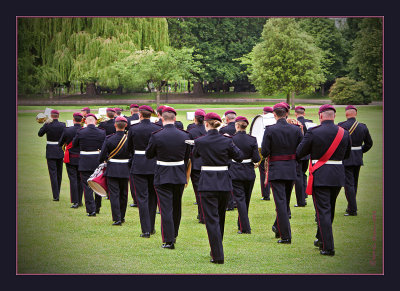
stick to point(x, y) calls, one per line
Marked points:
point(86, 109)
point(199, 112)
point(230, 111)
point(77, 114)
point(117, 109)
point(160, 108)
point(146, 107)
point(212, 116)
point(268, 109)
point(134, 106)
point(121, 118)
point(110, 109)
point(326, 107)
point(242, 118)
point(54, 112)
point(281, 105)
point(300, 107)
point(286, 105)
point(348, 107)
point(91, 114)
point(168, 109)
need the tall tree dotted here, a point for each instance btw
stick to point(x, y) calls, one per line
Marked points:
point(286, 60)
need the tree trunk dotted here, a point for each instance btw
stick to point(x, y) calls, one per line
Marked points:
point(198, 89)
point(288, 98)
point(292, 101)
point(81, 88)
point(158, 99)
point(91, 89)
point(148, 87)
point(323, 90)
point(51, 92)
point(189, 86)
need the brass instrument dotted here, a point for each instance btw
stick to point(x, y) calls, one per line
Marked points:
point(41, 118)
point(295, 122)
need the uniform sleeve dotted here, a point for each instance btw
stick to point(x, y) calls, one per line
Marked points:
point(62, 139)
point(235, 153)
point(151, 150)
point(304, 148)
point(43, 130)
point(265, 145)
point(348, 148)
point(131, 146)
point(256, 154)
point(104, 152)
point(196, 153)
point(75, 141)
point(367, 141)
point(179, 125)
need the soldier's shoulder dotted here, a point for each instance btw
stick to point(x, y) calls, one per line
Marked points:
point(342, 122)
point(110, 135)
point(314, 128)
point(251, 137)
point(227, 135)
point(157, 131)
point(183, 130)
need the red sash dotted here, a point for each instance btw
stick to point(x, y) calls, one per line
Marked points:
point(66, 154)
point(323, 159)
point(274, 159)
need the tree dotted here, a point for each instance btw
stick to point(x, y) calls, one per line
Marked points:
point(286, 60)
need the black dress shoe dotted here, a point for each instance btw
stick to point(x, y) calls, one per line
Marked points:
point(97, 211)
point(123, 220)
point(266, 198)
point(56, 199)
point(318, 244)
point(91, 214)
point(290, 216)
point(327, 252)
point(217, 261)
point(246, 232)
point(202, 222)
point(133, 205)
point(117, 222)
point(80, 204)
point(297, 205)
point(285, 241)
point(350, 214)
point(145, 234)
point(275, 230)
point(168, 245)
point(158, 212)
point(195, 203)
point(230, 209)
point(153, 232)
point(75, 205)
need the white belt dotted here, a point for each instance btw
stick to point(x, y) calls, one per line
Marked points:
point(52, 142)
point(356, 148)
point(244, 161)
point(140, 152)
point(119, 160)
point(329, 162)
point(89, 153)
point(161, 163)
point(134, 122)
point(214, 168)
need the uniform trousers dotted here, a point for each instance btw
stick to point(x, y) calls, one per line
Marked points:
point(132, 187)
point(55, 167)
point(118, 189)
point(75, 185)
point(324, 198)
point(299, 185)
point(242, 194)
point(265, 190)
point(282, 189)
point(170, 204)
point(195, 177)
point(213, 205)
point(350, 188)
point(304, 167)
point(146, 200)
point(92, 204)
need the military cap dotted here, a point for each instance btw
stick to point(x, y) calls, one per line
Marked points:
point(199, 112)
point(348, 107)
point(268, 109)
point(281, 105)
point(121, 118)
point(160, 108)
point(326, 107)
point(242, 118)
point(286, 105)
point(145, 107)
point(229, 112)
point(300, 107)
point(168, 109)
point(134, 106)
point(77, 114)
point(110, 109)
point(212, 116)
point(91, 114)
point(54, 112)
point(117, 109)
point(86, 109)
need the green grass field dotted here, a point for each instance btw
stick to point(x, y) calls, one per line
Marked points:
point(53, 238)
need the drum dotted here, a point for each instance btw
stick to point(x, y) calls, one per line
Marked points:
point(258, 125)
point(98, 182)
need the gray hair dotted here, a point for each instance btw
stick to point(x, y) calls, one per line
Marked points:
point(168, 116)
point(230, 116)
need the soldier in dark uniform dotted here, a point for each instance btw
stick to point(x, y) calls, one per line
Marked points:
point(361, 143)
point(325, 183)
point(85, 111)
point(197, 131)
point(177, 123)
point(108, 125)
point(168, 146)
point(89, 140)
point(193, 125)
point(301, 180)
point(265, 189)
point(215, 184)
point(118, 112)
point(279, 144)
point(142, 170)
point(243, 174)
point(117, 171)
point(71, 160)
point(134, 118)
point(54, 153)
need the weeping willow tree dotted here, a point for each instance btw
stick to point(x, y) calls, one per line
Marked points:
point(55, 51)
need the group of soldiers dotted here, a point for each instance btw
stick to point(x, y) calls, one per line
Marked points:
point(155, 158)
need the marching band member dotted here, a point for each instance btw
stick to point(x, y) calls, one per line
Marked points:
point(142, 170)
point(193, 125)
point(134, 118)
point(197, 130)
point(265, 189)
point(361, 143)
point(279, 145)
point(115, 151)
point(328, 144)
point(89, 140)
point(54, 152)
point(215, 184)
point(177, 123)
point(168, 146)
point(243, 174)
point(71, 160)
point(108, 125)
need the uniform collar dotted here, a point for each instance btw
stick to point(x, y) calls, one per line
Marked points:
point(300, 117)
point(77, 124)
point(281, 120)
point(352, 119)
point(231, 123)
point(91, 125)
point(328, 122)
point(212, 131)
point(145, 121)
point(120, 132)
point(240, 132)
point(169, 125)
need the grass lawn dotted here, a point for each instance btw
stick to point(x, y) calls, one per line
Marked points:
point(53, 238)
